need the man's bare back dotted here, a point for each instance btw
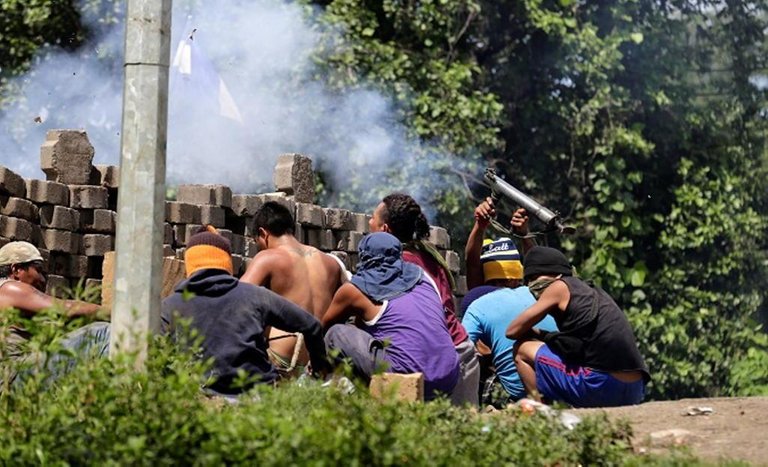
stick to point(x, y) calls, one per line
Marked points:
point(300, 273)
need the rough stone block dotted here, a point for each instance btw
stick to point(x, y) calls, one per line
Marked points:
point(107, 176)
point(354, 240)
point(313, 237)
point(237, 265)
point(45, 254)
point(403, 387)
point(327, 240)
point(60, 218)
point(251, 247)
point(45, 192)
point(15, 229)
point(338, 219)
point(461, 286)
point(11, 183)
point(98, 221)
point(293, 175)
point(212, 215)
point(439, 237)
point(95, 266)
point(169, 236)
point(182, 232)
point(246, 205)
point(57, 286)
point(182, 213)
point(97, 244)
point(237, 243)
point(310, 215)
point(61, 240)
point(180, 253)
point(168, 250)
point(88, 197)
point(66, 156)
point(453, 260)
point(340, 239)
point(173, 273)
point(360, 222)
point(282, 199)
point(19, 207)
point(72, 266)
point(215, 195)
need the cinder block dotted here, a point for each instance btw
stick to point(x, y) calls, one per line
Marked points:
point(57, 286)
point(107, 176)
point(11, 183)
point(338, 219)
point(237, 265)
point(282, 199)
point(97, 244)
point(45, 192)
point(182, 213)
point(108, 279)
point(212, 215)
point(453, 260)
point(403, 387)
point(180, 253)
point(88, 197)
point(293, 175)
point(15, 229)
point(60, 218)
point(246, 205)
point(71, 266)
point(45, 254)
point(439, 237)
point(173, 273)
point(4, 241)
point(182, 232)
point(66, 156)
point(19, 207)
point(95, 266)
point(168, 251)
point(98, 221)
point(354, 240)
point(238, 244)
point(340, 239)
point(313, 237)
point(251, 247)
point(360, 222)
point(169, 236)
point(461, 286)
point(215, 195)
point(61, 240)
point(327, 241)
point(310, 215)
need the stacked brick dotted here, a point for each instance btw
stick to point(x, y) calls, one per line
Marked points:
point(71, 216)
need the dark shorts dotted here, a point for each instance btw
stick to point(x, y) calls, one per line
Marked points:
point(582, 387)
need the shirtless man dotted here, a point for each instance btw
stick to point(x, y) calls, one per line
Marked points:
point(300, 273)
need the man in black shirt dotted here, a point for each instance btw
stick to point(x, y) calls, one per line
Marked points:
point(231, 316)
point(593, 361)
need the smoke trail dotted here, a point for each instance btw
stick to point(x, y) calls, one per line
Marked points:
point(262, 50)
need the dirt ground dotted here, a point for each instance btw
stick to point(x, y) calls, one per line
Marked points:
point(736, 428)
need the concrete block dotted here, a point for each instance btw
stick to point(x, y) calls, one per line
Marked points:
point(88, 197)
point(215, 195)
point(212, 215)
point(340, 239)
point(251, 247)
point(182, 213)
point(180, 253)
point(354, 240)
point(338, 219)
point(61, 240)
point(237, 265)
point(461, 286)
point(97, 244)
point(108, 279)
point(58, 286)
point(403, 387)
point(11, 183)
point(66, 156)
point(327, 241)
point(60, 218)
point(46, 192)
point(45, 254)
point(173, 273)
point(293, 175)
point(439, 237)
point(169, 236)
point(313, 237)
point(453, 260)
point(107, 176)
point(237, 243)
point(14, 229)
point(282, 199)
point(19, 207)
point(246, 205)
point(71, 266)
point(310, 215)
point(4, 241)
point(95, 266)
point(168, 250)
point(182, 232)
point(98, 221)
point(226, 233)
point(360, 222)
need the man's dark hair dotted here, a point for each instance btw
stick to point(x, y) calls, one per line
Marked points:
point(274, 218)
point(404, 217)
point(5, 271)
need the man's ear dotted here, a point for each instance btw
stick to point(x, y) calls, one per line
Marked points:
point(385, 228)
point(262, 232)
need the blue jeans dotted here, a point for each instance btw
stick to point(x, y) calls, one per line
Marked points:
point(366, 353)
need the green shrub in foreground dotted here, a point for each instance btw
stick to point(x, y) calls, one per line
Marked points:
point(106, 413)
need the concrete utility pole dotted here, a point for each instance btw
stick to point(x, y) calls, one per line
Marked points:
point(141, 201)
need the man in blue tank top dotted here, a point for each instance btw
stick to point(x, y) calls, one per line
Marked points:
point(399, 314)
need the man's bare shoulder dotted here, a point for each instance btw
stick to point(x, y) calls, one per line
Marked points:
point(15, 294)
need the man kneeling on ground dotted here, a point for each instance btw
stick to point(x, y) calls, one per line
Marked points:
point(400, 317)
point(22, 286)
point(231, 316)
point(594, 360)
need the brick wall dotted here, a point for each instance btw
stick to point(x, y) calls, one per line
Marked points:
point(71, 218)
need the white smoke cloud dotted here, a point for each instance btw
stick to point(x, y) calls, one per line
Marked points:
point(263, 52)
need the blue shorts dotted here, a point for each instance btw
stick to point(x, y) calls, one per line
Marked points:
point(580, 386)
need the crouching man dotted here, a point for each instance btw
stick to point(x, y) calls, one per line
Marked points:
point(400, 323)
point(231, 316)
point(593, 361)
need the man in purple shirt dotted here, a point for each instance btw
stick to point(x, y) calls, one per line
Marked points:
point(401, 328)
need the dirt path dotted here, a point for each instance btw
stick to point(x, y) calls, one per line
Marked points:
point(736, 429)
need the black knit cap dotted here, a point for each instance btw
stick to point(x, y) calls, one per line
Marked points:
point(545, 261)
point(208, 235)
